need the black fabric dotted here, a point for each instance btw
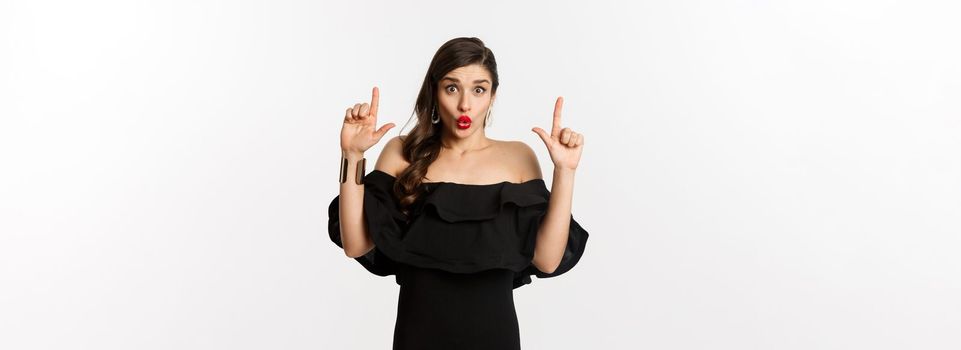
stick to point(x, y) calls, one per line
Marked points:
point(458, 258)
point(458, 228)
point(440, 310)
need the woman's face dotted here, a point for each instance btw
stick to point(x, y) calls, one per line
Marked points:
point(463, 99)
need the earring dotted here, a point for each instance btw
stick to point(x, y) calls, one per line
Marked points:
point(434, 119)
point(487, 119)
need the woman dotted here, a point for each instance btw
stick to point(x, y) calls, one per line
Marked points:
point(479, 227)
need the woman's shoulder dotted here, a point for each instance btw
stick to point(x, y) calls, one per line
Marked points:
point(523, 158)
point(519, 147)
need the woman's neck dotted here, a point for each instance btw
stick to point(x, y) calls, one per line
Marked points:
point(474, 143)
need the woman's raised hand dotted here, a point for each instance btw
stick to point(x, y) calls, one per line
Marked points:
point(564, 145)
point(358, 133)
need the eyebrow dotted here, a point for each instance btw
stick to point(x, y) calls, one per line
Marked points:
point(478, 81)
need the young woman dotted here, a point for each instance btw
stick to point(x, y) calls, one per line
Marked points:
point(460, 219)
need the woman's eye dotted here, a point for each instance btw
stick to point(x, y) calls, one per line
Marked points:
point(451, 88)
point(480, 90)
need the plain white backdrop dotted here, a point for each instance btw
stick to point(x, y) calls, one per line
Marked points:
point(756, 174)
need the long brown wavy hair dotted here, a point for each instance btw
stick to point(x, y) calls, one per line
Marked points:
point(422, 145)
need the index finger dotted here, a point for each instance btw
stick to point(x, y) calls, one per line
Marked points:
point(556, 127)
point(375, 97)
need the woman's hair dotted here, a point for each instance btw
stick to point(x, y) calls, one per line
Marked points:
point(422, 145)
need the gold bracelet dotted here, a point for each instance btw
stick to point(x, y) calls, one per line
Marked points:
point(360, 169)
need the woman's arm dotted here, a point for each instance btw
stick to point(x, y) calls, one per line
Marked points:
point(353, 230)
point(353, 224)
point(554, 230)
point(565, 147)
point(357, 135)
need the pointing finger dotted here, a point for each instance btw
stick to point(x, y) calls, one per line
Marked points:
point(374, 101)
point(556, 126)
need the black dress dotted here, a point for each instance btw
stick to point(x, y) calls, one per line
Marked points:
point(458, 258)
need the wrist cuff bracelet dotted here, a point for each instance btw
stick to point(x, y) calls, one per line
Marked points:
point(359, 178)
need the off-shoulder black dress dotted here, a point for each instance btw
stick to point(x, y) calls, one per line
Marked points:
point(458, 258)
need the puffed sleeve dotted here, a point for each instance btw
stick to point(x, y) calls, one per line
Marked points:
point(529, 220)
point(384, 221)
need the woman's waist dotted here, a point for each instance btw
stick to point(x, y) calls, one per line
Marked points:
point(440, 281)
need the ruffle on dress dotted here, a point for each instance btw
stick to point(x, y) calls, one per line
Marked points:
point(458, 228)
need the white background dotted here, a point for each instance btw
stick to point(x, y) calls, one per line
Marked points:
point(756, 175)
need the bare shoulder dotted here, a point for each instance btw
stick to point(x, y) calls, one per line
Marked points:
point(525, 160)
point(391, 158)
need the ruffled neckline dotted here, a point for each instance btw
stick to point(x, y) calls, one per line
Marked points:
point(456, 227)
point(447, 183)
point(456, 202)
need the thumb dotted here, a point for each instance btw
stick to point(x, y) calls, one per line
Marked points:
point(543, 134)
point(383, 130)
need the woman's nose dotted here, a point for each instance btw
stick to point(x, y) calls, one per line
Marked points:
point(464, 104)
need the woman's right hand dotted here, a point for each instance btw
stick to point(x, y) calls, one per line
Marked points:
point(358, 133)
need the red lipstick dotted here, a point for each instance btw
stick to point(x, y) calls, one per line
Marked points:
point(463, 122)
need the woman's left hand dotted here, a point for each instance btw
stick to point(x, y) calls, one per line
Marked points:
point(564, 145)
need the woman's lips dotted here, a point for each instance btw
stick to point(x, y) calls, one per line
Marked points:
point(463, 122)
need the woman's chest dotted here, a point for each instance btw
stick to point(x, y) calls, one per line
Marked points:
point(491, 168)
